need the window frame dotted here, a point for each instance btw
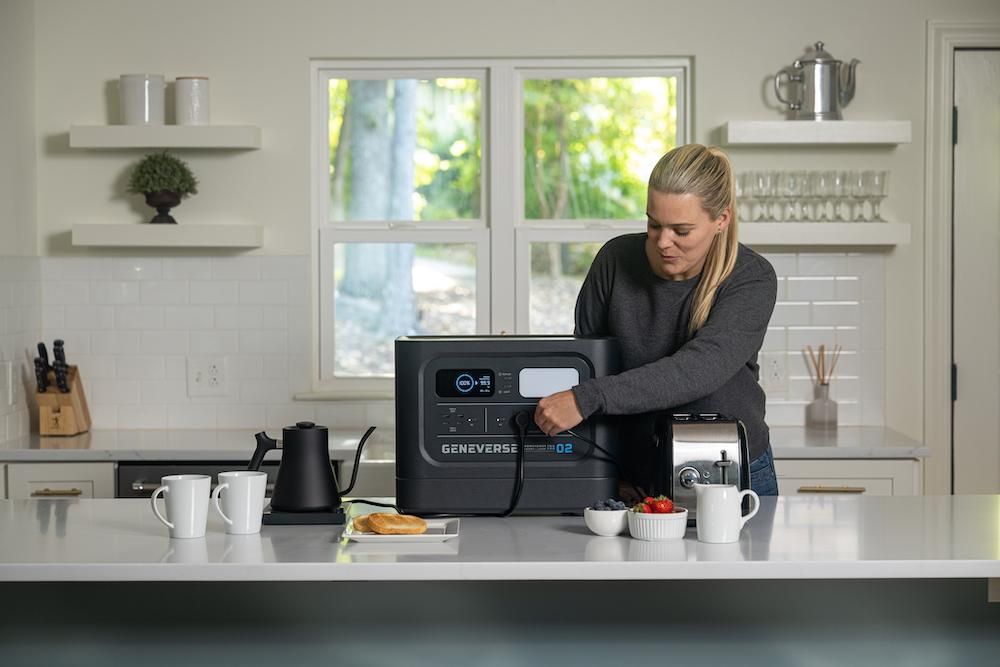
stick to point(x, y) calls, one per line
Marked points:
point(502, 235)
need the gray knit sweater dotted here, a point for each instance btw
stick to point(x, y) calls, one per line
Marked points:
point(666, 370)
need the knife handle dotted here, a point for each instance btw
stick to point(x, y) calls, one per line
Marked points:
point(41, 375)
point(59, 351)
point(43, 354)
point(61, 377)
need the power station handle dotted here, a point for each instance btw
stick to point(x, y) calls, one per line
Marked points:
point(832, 489)
point(56, 493)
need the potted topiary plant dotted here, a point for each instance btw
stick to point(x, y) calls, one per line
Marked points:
point(164, 180)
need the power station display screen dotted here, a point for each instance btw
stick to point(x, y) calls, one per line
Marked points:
point(460, 383)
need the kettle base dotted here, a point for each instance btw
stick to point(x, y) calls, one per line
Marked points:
point(276, 518)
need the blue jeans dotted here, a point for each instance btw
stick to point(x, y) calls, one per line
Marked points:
point(763, 479)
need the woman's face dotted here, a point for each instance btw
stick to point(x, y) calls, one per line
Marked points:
point(679, 233)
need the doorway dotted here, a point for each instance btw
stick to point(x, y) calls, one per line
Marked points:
point(976, 273)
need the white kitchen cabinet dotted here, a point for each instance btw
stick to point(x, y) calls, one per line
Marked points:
point(60, 480)
point(877, 477)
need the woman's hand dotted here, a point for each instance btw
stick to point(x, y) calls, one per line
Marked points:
point(557, 412)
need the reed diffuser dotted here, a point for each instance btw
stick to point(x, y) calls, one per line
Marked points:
point(821, 413)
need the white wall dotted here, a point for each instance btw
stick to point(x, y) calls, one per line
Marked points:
point(20, 321)
point(257, 54)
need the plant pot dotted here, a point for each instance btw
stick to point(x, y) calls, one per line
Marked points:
point(163, 201)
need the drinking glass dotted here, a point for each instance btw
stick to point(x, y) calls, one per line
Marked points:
point(790, 187)
point(841, 193)
point(857, 191)
point(764, 187)
point(744, 196)
point(875, 185)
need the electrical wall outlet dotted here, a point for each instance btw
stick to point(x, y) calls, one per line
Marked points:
point(206, 376)
point(773, 372)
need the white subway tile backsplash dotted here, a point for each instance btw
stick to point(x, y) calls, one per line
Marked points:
point(162, 343)
point(832, 313)
point(811, 288)
point(236, 268)
point(114, 293)
point(263, 292)
point(187, 318)
point(242, 416)
point(138, 317)
point(131, 324)
point(816, 264)
point(191, 416)
point(65, 292)
point(144, 367)
point(214, 342)
point(137, 268)
point(115, 342)
point(263, 342)
point(214, 291)
point(114, 392)
point(89, 317)
point(186, 268)
point(790, 313)
point(162, 292)
point(142, 416)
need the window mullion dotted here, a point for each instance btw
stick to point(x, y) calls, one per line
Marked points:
point(501, 165)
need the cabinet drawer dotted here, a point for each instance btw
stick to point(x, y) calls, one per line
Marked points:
point(877, 477)
point(60, 480)
point(791, 486)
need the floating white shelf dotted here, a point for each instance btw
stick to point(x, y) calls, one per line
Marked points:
point(137, 235)
point(165, 136)
point(761, 132)
point(824, 233)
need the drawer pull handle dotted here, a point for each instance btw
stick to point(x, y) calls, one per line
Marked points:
point(56, 493)
point(832, 489)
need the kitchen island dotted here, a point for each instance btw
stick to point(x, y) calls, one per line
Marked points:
point(813, 580)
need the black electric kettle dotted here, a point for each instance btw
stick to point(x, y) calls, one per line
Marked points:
point(305, 481)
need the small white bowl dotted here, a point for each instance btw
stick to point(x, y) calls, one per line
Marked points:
point(606, 523)
point(658, 527)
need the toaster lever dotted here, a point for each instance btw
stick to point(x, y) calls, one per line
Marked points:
point(724, 462)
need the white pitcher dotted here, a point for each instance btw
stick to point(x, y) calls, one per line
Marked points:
point(720, 512)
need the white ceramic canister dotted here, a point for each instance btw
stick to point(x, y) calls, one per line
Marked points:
point(140, 98)
point(191, 100)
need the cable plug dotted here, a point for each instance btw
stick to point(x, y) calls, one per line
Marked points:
point(522, 420)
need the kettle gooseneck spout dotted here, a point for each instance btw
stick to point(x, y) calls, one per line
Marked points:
point(847, 83)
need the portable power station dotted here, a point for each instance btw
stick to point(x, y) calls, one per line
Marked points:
point(456, 438)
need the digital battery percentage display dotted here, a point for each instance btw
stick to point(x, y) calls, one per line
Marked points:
point(457, 383)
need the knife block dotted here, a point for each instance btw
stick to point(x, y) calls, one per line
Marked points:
point(63, 414)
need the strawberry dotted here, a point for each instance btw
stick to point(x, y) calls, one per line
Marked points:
point(641, 508)
point(648, 500)
point(664, 506)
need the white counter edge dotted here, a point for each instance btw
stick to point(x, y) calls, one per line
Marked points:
point(555, 571)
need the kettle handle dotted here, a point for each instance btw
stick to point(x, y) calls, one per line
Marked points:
point(792, 78)
point(264, 444)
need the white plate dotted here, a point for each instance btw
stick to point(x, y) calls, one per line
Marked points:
point(438, 530)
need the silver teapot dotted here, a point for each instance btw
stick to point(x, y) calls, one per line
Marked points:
point(824, 85)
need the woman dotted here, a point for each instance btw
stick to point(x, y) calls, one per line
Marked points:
point(690, 307)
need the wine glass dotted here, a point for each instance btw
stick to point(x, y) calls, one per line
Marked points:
point(857, 190)
point(744, 196)
point(764, 187)
point(875, 185)
point(790, 186)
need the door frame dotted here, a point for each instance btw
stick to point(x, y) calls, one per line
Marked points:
point(943, 39)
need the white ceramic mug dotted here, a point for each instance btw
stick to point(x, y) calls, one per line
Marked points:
point(720, 512)
point(191, 100)
point(186, 499)
point(242, 504)
point(141, 99)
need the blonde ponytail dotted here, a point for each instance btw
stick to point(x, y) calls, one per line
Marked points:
point(704, 171)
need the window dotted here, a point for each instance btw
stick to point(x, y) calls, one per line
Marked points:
point(470, 197)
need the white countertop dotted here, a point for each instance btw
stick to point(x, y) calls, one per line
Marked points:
point(792, 537)
point(788, 442)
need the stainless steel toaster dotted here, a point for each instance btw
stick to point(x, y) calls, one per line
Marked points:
point(703, 448)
